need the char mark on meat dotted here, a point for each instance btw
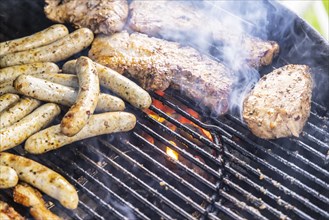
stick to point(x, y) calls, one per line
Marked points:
point(101, 16)
point(157, 64)
point(179, 21)
point(280, 103)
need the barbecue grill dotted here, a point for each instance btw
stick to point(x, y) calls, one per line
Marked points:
point(222, 170)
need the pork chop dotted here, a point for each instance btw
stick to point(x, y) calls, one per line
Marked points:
point(177, 20)
point(157, 64)
point(280, 103)
point(101, 16)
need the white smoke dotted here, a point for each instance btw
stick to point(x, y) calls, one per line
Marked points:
point(216, 28)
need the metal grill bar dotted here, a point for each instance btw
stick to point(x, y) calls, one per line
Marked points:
point(85, 190)
point(261, 189)
point(89, 210)
point(315, 140)
point(259, 203)
point(182, 152)
point(189, 117)
point(228, 211)
point(184, 140)
point(142, 184)
point(173, 175)
point(279, 186)
point(299, 142)
point(223, 132)
point(321, 131)
point(320, 120)
point(297, 169)
point(185, 128)
point(310, 150)
point(242, 206)
point(178, 163)
point(250, 210)
point(288, 152)
point(158, 179)
point(315, 167)
point(321, 156)
point(124, 186)
point(91, 178)
point(283, 161)
point(319, 108)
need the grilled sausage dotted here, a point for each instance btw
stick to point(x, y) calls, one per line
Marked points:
point(60, 78)
point(7, 87)
point(51, 92)
point(18, 111)
point(17, 133)
point(109, 103)
point(79, 113)
point(31, 197)
point(7, 100)
point(51, 138)
point(69, 67)
point(8, 213)
point(44, 37)
point(42, 178)
point(124, 87)
point(54, 52)
point(121, 85)
point(8, 177)
point(11, 73)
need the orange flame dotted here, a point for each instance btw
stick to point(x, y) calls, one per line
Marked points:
point(171, 153)
point(158, 104)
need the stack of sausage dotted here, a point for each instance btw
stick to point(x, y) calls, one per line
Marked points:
point(32, 90)
point(28, 70)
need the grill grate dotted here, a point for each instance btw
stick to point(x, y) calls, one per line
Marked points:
point(235, 176)
point(127, 175)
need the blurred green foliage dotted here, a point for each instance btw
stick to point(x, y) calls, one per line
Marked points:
point(310, 16)
point(326, 5)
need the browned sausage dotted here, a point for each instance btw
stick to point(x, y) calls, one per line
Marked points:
point(79, 113)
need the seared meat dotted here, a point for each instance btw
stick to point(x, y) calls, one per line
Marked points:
point(101, 16)
point(280, 103)
point(7, 212)
point(156, 64)
point(178, 20)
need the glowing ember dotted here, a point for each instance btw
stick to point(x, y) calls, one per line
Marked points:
point(206, 133)
point(172, 113)
point(171, 153)
point(157, 117)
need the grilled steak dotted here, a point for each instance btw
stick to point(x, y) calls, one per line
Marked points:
point(178, 19)
point(157, 64)
point(280, 103)
point(101, 16)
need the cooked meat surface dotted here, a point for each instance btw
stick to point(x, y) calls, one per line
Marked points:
point(280, 103)
point(157, 64)
point(31, 197)
point(177, 20)
point(7, 212)
point(101, 16)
